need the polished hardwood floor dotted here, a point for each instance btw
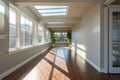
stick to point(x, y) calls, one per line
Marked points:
point(59, 64)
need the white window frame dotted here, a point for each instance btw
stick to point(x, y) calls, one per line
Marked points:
point(16, 36)
point(34, 32)
point(26, 17)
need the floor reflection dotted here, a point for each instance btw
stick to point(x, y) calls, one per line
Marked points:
point(51, 67)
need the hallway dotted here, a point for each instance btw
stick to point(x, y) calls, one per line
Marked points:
point(51, 67)
point(59, 64)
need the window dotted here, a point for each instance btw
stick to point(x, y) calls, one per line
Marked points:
point(2, 9)
point(47, 36)
point(2, 18)
point(52, 10)
point(25, 31)
point(61, 37)
point(12, 23)
point(40, 33)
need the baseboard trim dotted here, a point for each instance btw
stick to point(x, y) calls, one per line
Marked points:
point(94, 65)
point(91, 63)
point(19, 65)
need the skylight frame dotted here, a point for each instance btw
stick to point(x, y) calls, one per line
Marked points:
point(54, 14)
point(55, 23)
point(52, 10)
point(50, 7)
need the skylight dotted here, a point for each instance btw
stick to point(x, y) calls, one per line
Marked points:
point(52, 10)
point(56, 23)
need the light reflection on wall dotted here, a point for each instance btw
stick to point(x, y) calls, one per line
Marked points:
point(79, 49)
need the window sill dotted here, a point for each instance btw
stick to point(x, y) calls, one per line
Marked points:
point(14, 51)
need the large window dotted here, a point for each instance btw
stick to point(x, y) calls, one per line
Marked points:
point(25, 31)
point(12, 23)
point(61, 37)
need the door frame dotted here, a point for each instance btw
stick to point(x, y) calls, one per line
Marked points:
point(111, 68)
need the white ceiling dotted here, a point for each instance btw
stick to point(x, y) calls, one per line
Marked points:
point(75, 11)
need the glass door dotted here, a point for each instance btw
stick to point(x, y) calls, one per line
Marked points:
point(114, 40)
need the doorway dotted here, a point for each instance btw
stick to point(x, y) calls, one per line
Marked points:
point(114, 39)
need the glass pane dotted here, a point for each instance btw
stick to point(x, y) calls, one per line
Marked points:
point(22, 37)
point(49, 7)
point(22, 21)
point(26, 37)
point(39, 35)
point(25, 23)
point(12, 42)
point(52, 11)
point(116, 39)
point(54, 14)
point(12, 30)
point(12, 17)
point(39, 39)
point(26, 32)
point(2, 9)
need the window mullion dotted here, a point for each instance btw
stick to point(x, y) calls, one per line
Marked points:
point(18, 29)
point(34, 34)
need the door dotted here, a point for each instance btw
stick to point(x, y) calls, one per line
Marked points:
point(114, 40)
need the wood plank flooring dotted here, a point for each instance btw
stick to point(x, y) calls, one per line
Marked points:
point(59, 64)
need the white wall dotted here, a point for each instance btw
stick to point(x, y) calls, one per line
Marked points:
point(86, 36)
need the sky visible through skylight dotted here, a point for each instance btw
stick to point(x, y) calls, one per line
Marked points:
point(52, 10)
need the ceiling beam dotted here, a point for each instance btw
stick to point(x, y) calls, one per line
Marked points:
point(60, 19)
point(60, 26)
point(40, 2)
point(60, 29)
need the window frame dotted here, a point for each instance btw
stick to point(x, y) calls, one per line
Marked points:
point(15, 36)
point(18, 33)
point(26, 18)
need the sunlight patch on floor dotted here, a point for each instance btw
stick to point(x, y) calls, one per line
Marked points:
point(52, 67)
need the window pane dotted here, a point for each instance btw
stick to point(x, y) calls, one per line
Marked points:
point(28, 37)
point(46, 36)
point(54, 14)
point(22, 37)
point(22, 21)
point(12, 30)
point(53, 11)
point(12, 42)
point(2, 9)
point(12, 17)
point(50, 7)
point(39, 35)
point(26, 32)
